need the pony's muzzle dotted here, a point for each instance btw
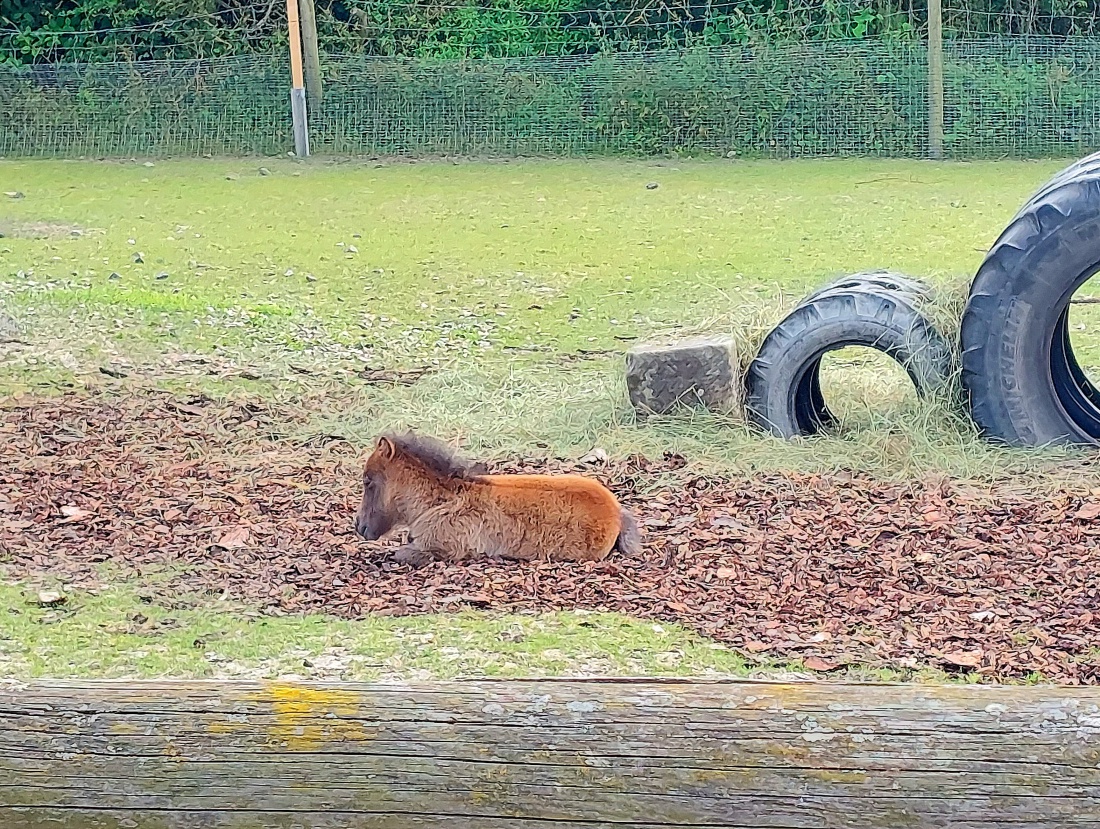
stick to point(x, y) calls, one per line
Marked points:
point(371, 525)
point(363, 529)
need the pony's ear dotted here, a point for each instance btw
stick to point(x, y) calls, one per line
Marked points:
point(385, 448)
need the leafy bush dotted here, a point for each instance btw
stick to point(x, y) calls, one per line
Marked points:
point(759, 77)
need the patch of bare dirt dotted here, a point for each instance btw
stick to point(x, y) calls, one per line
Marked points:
point(830, 570)
point(17, 229)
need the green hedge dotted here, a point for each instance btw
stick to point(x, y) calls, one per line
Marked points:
point(808, 99)
point(1004, 97)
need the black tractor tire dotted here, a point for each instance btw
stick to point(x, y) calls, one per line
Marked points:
point(1088, 165)
point(890, 281)
point(1023, 384)
point(783, 386)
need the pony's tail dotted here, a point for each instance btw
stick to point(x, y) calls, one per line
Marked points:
point(630, 537)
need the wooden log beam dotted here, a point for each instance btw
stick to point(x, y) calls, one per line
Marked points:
point(543, 754)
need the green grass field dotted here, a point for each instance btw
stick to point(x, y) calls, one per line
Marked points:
point(126, 630)
point(517, 286)
point(564, 255)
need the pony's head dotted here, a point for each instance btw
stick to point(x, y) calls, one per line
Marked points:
point(402, 473)
point(376, 515)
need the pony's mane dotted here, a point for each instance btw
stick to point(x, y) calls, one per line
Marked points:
point(436, 456)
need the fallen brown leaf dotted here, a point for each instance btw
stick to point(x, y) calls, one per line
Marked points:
point(816, 663)
point(963, 659)
point(1088, 512)
point(74, 513)
point(234, 539)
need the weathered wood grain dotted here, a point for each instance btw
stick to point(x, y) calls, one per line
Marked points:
point(521, 755)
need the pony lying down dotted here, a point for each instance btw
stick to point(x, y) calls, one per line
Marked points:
point(457, 512)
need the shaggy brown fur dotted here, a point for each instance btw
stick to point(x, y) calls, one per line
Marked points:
point(455, 512)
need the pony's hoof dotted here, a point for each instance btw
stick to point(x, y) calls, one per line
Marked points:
point(413, 558)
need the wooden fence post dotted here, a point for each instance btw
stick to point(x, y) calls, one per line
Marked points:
point(935, 78)
point(297, 91)
point(312, 54)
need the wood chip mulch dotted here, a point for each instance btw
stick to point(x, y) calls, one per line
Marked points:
point(829, 570)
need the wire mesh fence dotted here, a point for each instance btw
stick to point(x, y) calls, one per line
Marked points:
point(235, 105)
point(787, 100)
point(780, 81)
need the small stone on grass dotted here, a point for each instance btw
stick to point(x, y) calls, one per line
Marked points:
point(49, 598)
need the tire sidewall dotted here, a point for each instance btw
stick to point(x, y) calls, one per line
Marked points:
point(832, 322)
point(1016, 368)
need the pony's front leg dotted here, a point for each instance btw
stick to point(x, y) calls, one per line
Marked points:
point(413, 555)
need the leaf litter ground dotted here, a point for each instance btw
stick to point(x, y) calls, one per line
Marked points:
point(826, 570)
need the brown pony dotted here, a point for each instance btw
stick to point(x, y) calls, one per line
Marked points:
point(455, 511)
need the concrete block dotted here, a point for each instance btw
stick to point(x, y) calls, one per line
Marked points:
point(700, 372)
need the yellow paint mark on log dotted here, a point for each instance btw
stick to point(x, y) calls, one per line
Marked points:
point(306, 719)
